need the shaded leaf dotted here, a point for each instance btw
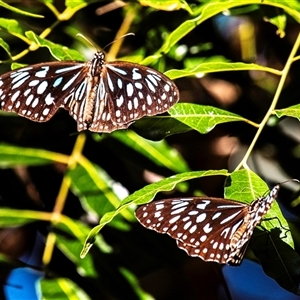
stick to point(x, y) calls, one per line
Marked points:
point(134, 282)
point(5, 46)
point(11, 156)
point(159, 152)
point(95, 188)
point(19, 11)
point(158, 127)
point(62, 288)
point(279, 261)
point(70, 237)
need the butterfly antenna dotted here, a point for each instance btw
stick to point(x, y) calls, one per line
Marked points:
point(293, 179)
point(120, 37)
point(87, 40)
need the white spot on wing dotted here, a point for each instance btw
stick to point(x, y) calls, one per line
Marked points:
point(120, 101)
point(67, 69)
point(159, 206)
point(174, 219)
point(149, 100)
point(15, 96)
point(46, 112)
point(118, 70)
point(42, 73)
point(187, 225)
point(49, 99)
point(42, 87)
point(201, 218)
point(35, 102)
point(203, 204)
point(193, 229)
point(207, 228)
point(129, 89)
point(29, 99)
point(135, 74)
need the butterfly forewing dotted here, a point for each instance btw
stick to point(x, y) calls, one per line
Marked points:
point(100, 96)
point(130, 91)
point(213, 229)
point(36, 92)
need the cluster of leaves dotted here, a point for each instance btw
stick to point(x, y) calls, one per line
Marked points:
point(108, 179)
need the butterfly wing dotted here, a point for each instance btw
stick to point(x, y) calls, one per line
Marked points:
point(37, 91)
point(202, 226)
point(129, 91)
point(100, 96)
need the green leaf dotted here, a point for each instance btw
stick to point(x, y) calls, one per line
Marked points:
point(278, 260)
point(58, 51)
point(78, 4)
point(62, 288)
point(14, 217)
point(12, 156)
point(280, 22)
point(16, 65)
point(168, 5)
point(246, 186)
point(274, 248)
point(134, 282)
point(159, 152)
point(211, 9)
point(5, 46)
point(12, 26)
point(144, 196)
point(202, 118)
point(94, 188)
point(19, 11)
point(158, 127)
point(70, 236)
point(292, 111)
point(212, 67)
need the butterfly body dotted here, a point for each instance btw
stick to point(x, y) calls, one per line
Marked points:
point(101, 96)
point(213, 229)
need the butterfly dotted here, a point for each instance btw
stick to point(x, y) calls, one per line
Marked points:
point(214, 229)
point(101, 96)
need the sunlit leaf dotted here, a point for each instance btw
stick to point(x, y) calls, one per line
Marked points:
point(202, 118)
point(58, 51)
point(292, 111)
point(247, 186)
point(212, 67)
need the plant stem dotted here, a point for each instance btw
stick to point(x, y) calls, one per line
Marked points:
point(285, 72)
point(62, 197)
